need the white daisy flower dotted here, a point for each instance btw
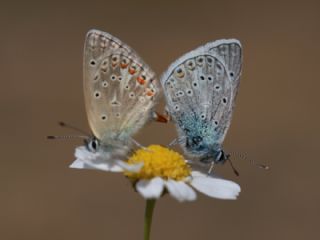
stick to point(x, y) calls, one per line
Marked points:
point(157, 170)
point(165, 170)
point(103, 160)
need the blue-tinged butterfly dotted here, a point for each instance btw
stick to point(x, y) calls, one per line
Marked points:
point(120, 91)
point(200, 89)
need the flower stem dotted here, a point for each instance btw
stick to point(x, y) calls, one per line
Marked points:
point(148, 217)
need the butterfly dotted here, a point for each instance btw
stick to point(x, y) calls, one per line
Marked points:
point(200, 90)
point(120, 91)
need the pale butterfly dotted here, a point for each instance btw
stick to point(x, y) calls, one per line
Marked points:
point(200, 90)
point(120, 91)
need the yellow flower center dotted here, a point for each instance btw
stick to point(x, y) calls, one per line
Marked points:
point(158, 162)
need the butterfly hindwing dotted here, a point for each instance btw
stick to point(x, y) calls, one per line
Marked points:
point(200, 96)
point(231, 52)
point(120, 89)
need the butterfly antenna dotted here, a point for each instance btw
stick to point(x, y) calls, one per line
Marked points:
point(66, 137)
point(65, 125)
point(176, 141)
point(252, 162)
point(233, 168)
point(211, 168)
point(259, 165)
point(173, 142)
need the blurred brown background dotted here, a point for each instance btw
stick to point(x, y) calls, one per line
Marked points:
point(276, 120)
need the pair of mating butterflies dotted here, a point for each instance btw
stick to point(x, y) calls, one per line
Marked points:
point(200, 89)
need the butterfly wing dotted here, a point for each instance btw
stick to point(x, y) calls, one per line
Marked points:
point(200, 98)
point(120, 89)
point(230, 51)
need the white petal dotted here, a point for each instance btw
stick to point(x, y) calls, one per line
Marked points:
point(103, 165)
point(130, 167)
point(180, 191)
point(101, 160)
point(214, 186)
point(150, 188)
point(78, 164)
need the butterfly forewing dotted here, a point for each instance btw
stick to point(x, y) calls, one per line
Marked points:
point(200, 98)
point(120, 89)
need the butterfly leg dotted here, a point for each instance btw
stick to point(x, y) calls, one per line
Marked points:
point(211, 168)
point(136, 143)
point(176, 141)
point(139, 145)
point(164, 118)
point(173, 142)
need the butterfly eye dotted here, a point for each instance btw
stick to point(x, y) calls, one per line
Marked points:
point(210, 78)
point(231, 74)
point(202, 78)
point(180, 72)
point(191, 64)
point(93, 145)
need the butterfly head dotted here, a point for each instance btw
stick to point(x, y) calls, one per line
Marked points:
point(220, 156)
point(216, 156)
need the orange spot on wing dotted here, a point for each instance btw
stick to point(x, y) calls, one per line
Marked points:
point(149, 93)
point(161, 118)
point(141, 80)
point(132, 71)
point(123, 65)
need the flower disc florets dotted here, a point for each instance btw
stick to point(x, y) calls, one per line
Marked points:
point(159, 161)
